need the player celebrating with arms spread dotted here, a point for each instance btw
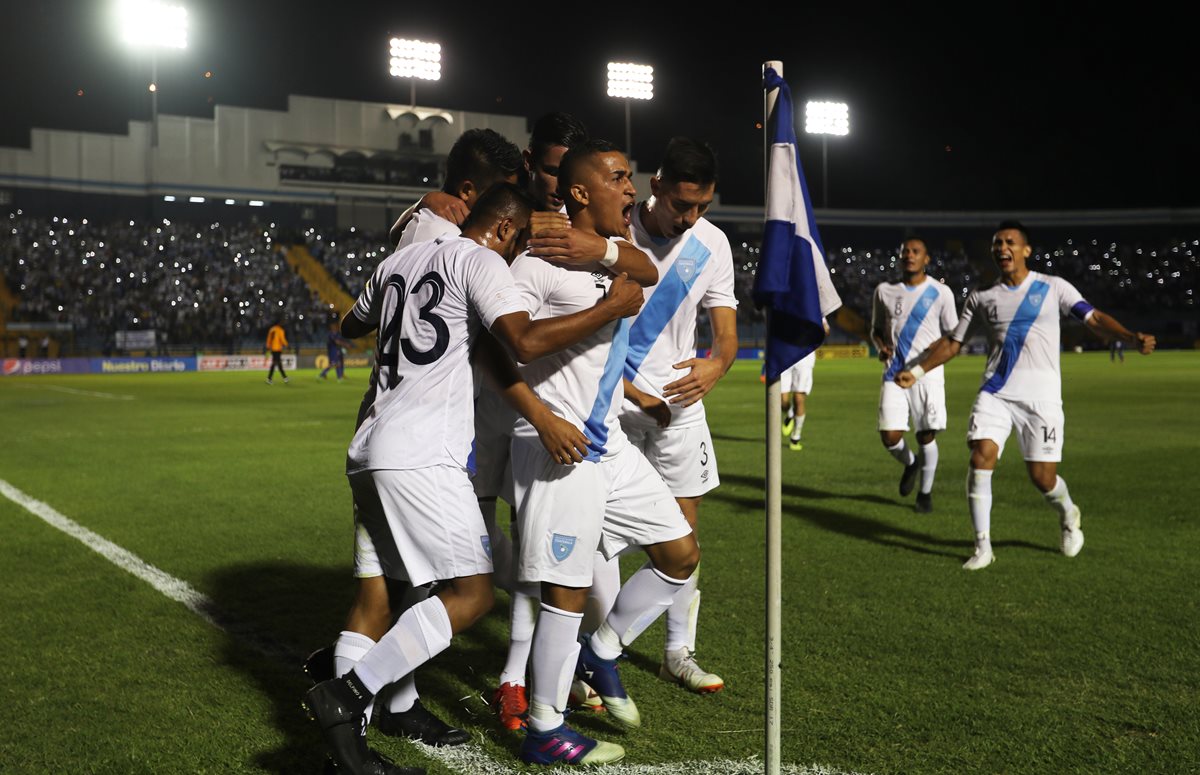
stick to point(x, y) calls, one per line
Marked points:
point(907, 317)
point(1022, 385)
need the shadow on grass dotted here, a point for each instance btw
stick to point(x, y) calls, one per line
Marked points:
point(275, 614)
point(856, 526)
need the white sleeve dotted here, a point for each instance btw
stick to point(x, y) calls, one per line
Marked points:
point(720, 291)
point(364, 309)
point(490, 286)
point(964, 320)
point(536, 282)
point(1070, 300)
point(949, 317)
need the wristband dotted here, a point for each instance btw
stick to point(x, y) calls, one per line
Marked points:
point(610, 255)
point(917, 372)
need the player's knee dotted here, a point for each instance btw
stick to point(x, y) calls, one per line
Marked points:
point(890, 438)
point(683, 557)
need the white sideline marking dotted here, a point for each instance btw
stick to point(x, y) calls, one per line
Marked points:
point(174, 588)
point(470, 758)
point(77, 392)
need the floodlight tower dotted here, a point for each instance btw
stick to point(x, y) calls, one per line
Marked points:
point(153, 25)
point(413, 59)
point(825, 119)
point(630, 82)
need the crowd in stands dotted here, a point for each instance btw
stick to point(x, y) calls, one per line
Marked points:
point(223, 285)
point(213, 285)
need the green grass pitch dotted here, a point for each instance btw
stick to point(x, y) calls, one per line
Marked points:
point(895, 660)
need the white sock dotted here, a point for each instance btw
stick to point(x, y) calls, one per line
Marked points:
point(681, 616)
point(349, 648)
point(643, 599)
point(606, 584)
point(503, 572)
point(929, 461)
point(400, 696)
point(521, 621)
point(556, 651)
point(798, 427)
point(979, 498)
point(1059, 498)
point(902, 453)
point(421, 633)
point(789, 414)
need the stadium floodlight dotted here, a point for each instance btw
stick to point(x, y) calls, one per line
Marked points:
point(826, 118)
point(629, 81)
point(415, 59)
point(152, 24)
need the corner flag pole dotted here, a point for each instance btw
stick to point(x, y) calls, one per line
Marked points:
point(773, 503)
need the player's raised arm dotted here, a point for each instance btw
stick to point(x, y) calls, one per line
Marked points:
point(566, 443)
point(1107, 327)
point(529, 340)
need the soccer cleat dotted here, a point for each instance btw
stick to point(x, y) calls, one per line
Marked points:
point(1072, 536)
point(601, 675)
point(319, 665)
point(679, 666)
point(982, 558)
point(511, 705)
point(924, 503)
point(908, 479)
point(269, 382)
point(583, 697)
point(566, 746)
point(788, 424)
point(330, 704)
point(285, 380)
point(417, 723)
point(794, 445)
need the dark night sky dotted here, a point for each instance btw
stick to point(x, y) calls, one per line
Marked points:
point(1048, 108)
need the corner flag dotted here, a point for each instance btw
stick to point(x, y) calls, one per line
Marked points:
point(792, 279)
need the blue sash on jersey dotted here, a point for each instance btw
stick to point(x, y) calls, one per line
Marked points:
point(596, 428)
point(672, 290)
point(904, 342)
point(1018, 330)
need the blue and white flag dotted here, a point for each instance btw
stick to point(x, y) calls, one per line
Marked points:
point(792, 279)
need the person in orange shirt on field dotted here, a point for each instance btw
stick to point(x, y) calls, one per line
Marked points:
point(276, 341)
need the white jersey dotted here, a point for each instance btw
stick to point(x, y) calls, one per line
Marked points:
point(694, 269)
point(581, 384)
point(1023, 334)
point(428, 301)
point(910, 318)
point(424, 226)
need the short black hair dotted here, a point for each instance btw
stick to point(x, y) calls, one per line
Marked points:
point(569, 169)
point(501, 200)
point(483, 157)
point(688, 160)
point(1015, 225)
point(556, 129)
point(915, 238)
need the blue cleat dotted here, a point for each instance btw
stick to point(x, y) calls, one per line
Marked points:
point(602, 676)
point(564, 745)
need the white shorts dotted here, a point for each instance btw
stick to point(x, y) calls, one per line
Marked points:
point(925, 402)
point(799, 378)
point(683, 457)
point(566, 513)
point(424, 524)
point(1039, 425)
point(494, 421)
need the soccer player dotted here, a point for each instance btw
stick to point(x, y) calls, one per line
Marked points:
point(478, 159)
point(613, 501)
point(334, 343)
point(407, 462)
point(795, 383)
point(1022, 385)
point(663, 413)
point(276, 341)
point(906, 318)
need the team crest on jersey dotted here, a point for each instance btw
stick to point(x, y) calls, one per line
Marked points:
point(487, 545)
point(923, 303)
point(1035, 299)
point(686, 267)
point(561, 545)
